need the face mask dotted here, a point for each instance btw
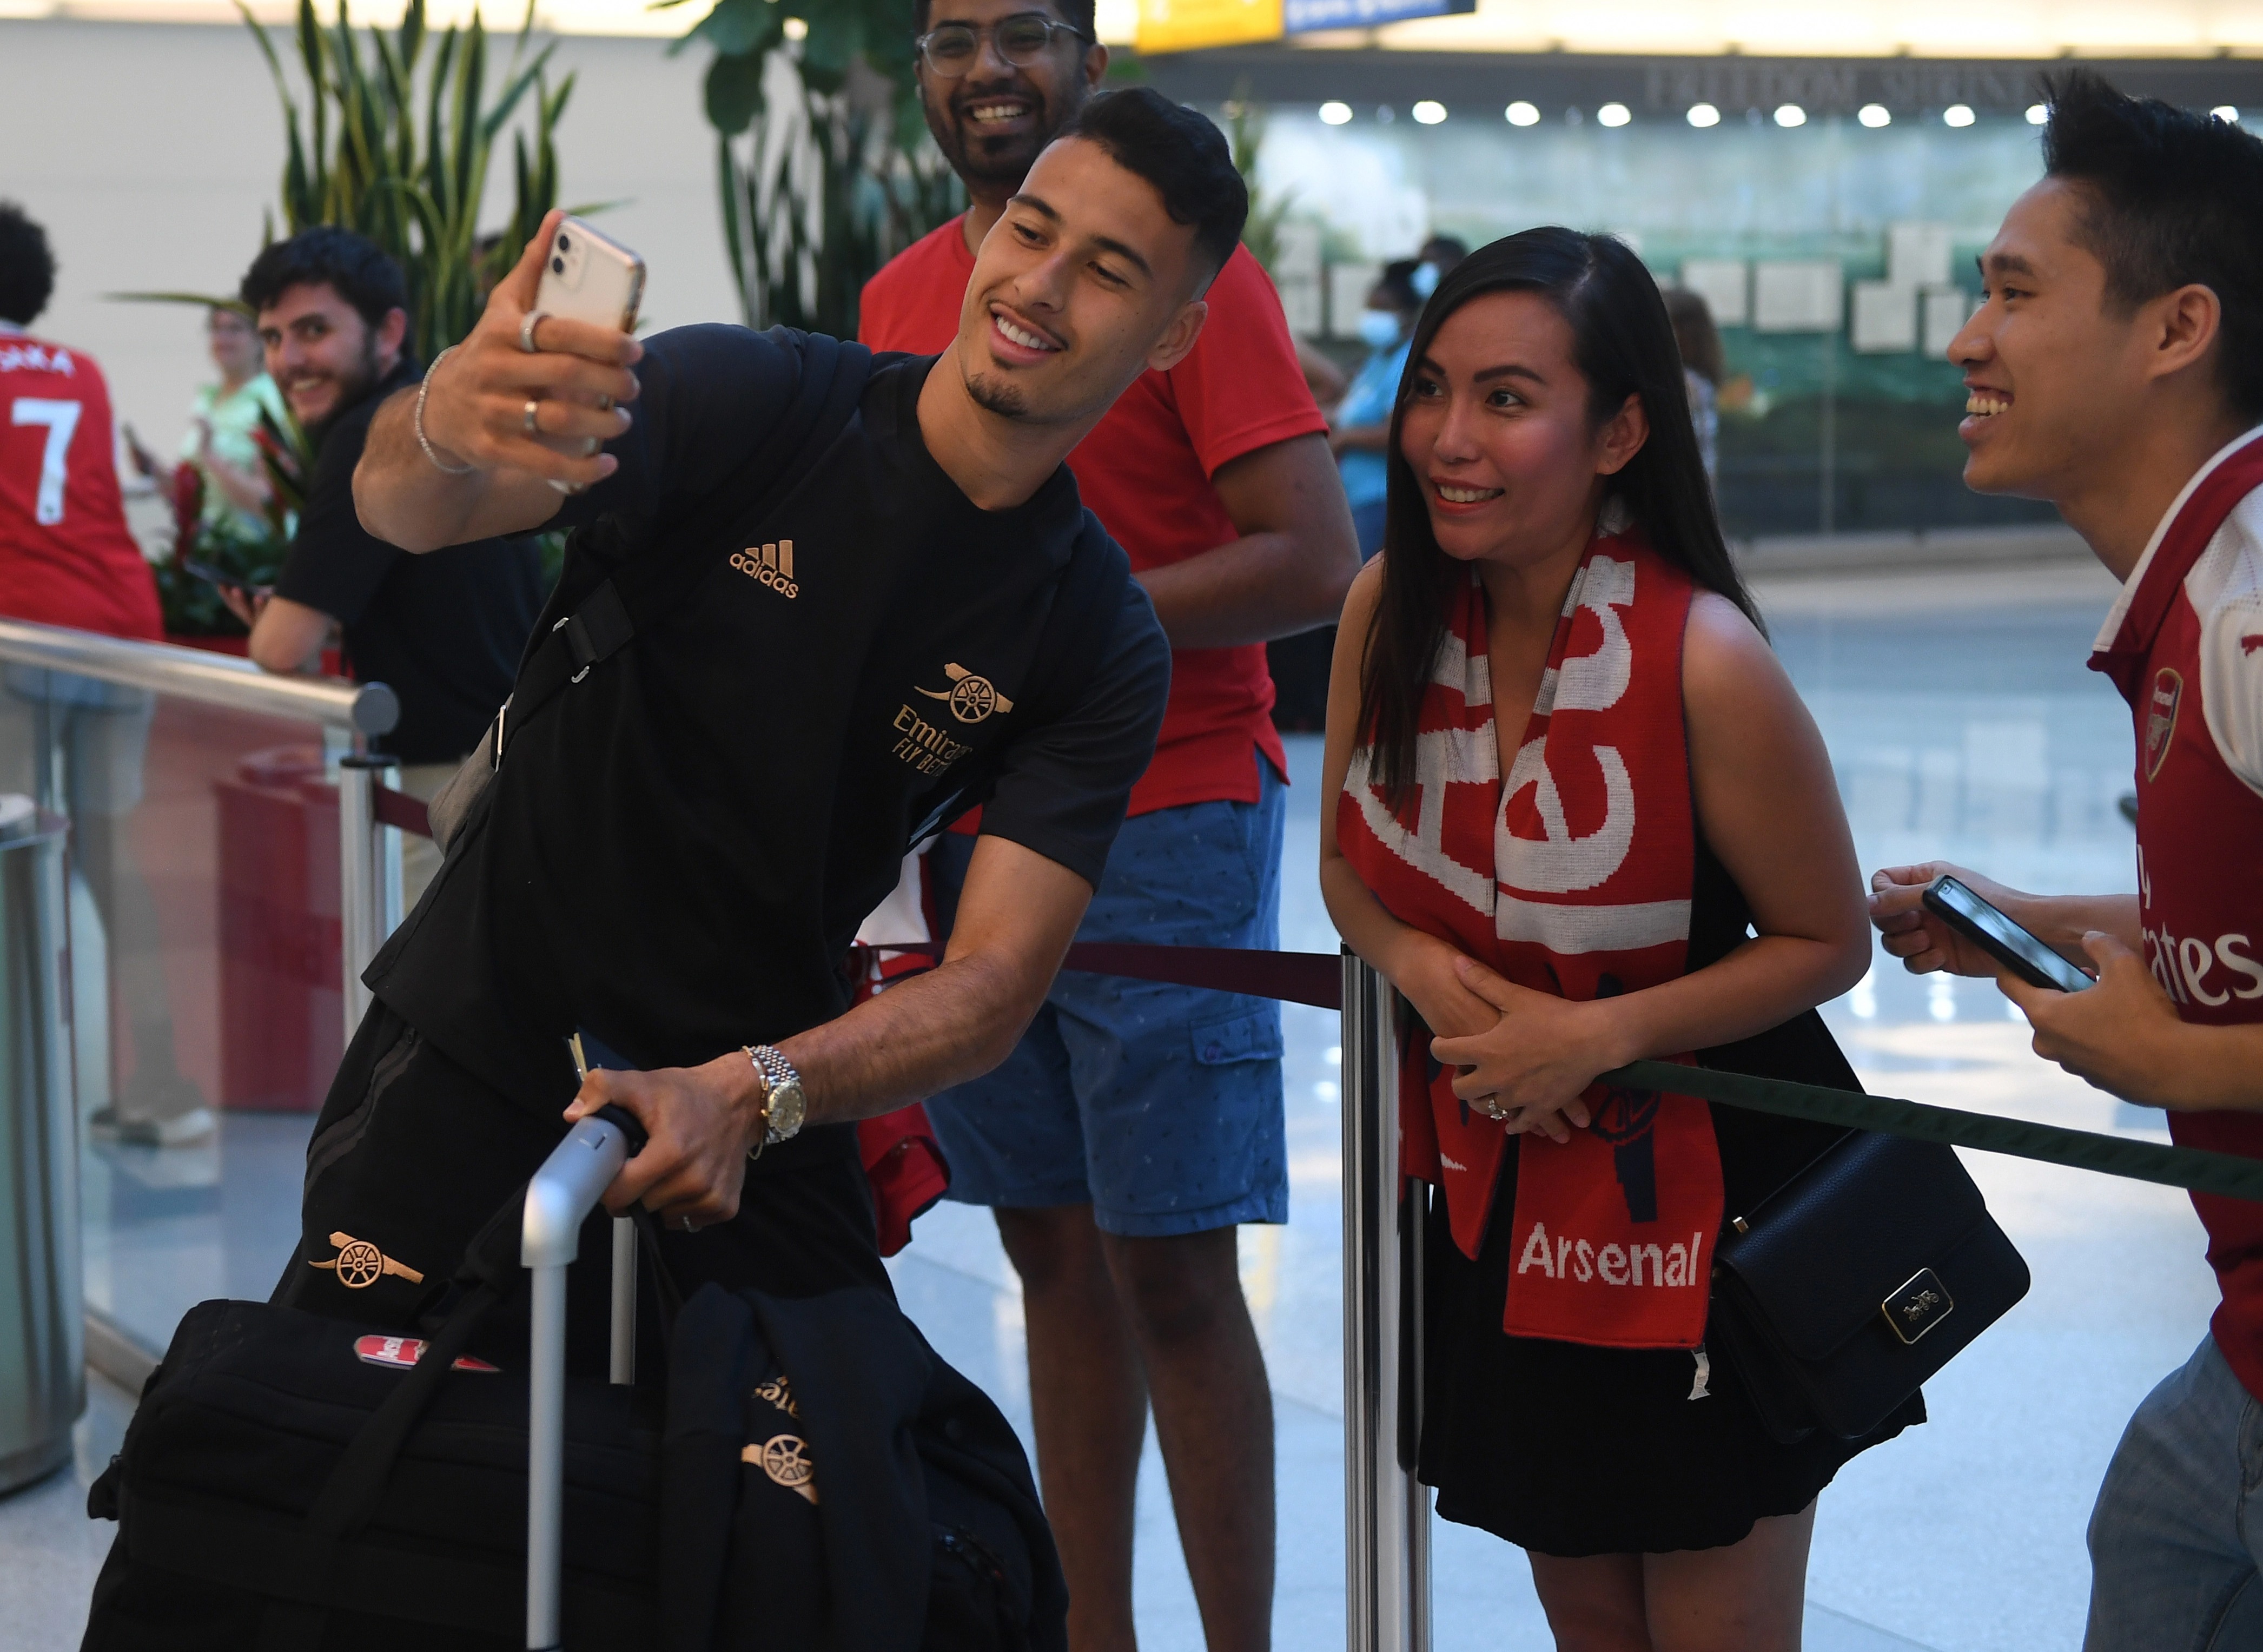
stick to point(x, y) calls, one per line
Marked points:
point(1378, 329)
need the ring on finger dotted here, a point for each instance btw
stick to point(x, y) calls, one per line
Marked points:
point(526, 326)
point(526, 418)
point(688, 1227)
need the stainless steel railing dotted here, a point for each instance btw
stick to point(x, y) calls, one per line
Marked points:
point(1386, 1509)
point(369, 854)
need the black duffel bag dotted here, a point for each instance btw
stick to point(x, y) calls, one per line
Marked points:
point(811, 1475)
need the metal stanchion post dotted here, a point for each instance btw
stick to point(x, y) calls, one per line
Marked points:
point(369, 876)
point(1386, 1509)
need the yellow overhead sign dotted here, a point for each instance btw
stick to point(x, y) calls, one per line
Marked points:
point(1185, 26)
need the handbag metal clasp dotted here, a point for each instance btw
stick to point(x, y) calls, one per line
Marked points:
point(1922, 1302)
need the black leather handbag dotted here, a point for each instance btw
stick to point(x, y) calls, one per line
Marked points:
point(1852, 1283)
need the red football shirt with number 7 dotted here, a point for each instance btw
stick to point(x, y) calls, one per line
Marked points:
point(65, 558)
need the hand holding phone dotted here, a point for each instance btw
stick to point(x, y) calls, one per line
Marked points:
point(2011, 945)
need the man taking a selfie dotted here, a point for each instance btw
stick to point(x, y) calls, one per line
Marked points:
point(2115, 369)
point(678, 845)
point(1215, 477)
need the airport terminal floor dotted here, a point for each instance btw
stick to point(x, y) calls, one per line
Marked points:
point(1963, 726)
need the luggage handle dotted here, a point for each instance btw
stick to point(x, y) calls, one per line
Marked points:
point(562, 1195)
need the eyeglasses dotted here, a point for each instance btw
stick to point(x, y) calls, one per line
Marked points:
point(1021, 39)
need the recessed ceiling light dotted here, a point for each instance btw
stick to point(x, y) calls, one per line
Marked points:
point(1522, 113)
point(1875, 115)
point(1335, 114)
point(2037, 113)
point(1704, 115)
point(1429, 112)
point(1614, 114)
point(1790, 115)
point(1958, 115)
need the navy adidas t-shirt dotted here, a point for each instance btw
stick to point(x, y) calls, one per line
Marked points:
point(681, 847)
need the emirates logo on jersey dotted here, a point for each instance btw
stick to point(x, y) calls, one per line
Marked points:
point(2161, 718)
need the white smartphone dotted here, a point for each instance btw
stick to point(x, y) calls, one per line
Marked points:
point(588, 278)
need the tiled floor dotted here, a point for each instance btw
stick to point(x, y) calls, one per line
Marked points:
point(1963, 726)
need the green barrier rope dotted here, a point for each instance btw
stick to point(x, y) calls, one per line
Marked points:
point(2189, 1168)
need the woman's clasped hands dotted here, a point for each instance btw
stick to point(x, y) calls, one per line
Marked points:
point(1531, 1066)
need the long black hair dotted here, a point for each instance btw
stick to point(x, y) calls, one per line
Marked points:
point(1623, 345)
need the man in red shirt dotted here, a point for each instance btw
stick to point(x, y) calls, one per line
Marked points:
point(2116, 369)
point(66, 559)
point(1137, 1125)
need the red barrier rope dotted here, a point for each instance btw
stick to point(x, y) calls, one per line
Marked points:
point(1313, 978)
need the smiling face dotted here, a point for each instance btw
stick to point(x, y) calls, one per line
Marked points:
point(1499, 435)
point(992, 121)
point(321, 353)
point(1083, 283)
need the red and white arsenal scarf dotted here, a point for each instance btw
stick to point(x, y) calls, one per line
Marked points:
point(1573, 878)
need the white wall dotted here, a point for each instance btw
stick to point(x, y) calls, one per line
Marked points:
point(148, 151)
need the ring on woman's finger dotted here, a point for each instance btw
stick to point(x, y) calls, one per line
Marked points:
point(688, 1226)
point(526, 418)
point(526, 326)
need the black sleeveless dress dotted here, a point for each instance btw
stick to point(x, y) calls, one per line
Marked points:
point(1573, 1451)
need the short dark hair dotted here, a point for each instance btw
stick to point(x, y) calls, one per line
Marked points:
point(27, 268)
point(1182, 153)
point(2176, 199)
point(1396, 283)
point(357, 267)
point(1080, 15)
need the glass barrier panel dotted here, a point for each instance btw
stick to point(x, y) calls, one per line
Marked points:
point(203, 934)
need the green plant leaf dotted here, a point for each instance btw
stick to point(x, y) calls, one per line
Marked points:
point(734, 93)
point(738, 27)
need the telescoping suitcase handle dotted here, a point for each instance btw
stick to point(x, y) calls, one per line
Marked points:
point(559, 1198)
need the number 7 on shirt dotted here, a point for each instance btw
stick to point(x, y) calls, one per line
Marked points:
point(62, 420)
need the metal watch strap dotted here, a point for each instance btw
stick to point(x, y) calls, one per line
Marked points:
point(777, 1072)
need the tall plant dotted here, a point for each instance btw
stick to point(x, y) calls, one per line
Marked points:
point(368, 151)
point(823, 160)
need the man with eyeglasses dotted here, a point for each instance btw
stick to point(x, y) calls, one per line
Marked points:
point(1137, 1124)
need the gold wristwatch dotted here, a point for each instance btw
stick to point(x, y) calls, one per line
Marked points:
point(783, 1105)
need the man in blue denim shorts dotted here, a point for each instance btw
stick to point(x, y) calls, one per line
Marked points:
point(1138, 1123)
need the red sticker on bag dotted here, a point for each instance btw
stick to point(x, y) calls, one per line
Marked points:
point(403, 1353)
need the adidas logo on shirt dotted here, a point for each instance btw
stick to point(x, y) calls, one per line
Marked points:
point(771, 565)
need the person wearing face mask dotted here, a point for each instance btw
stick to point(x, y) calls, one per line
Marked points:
point(1360, 428)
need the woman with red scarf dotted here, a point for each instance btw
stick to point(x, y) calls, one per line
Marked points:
point(1582, 818)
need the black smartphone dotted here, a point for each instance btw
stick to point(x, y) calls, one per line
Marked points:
point(2007, 942)
point(222, 577)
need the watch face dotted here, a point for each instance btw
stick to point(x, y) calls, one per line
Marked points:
point(785, 1109)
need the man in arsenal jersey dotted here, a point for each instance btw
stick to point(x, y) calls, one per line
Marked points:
point(2115, 368)
point(66, 559)
point(1138, 1123)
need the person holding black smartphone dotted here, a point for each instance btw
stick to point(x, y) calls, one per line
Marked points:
point(2115, 368)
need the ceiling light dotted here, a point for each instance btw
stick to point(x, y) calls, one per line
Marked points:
point(1429, 113)
point(1522, 113)
point(1958, 115)
point(797, 29)
point(2226, 114)
point(1614, 114)
point(2037, 113)
point(1335, 114)
point(1790, 115)
point(1875, 115)
point(1702, 115)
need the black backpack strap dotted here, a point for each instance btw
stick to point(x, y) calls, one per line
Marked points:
point(833, 374)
